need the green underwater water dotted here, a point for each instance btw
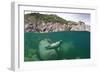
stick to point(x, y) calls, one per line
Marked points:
point(75, 45)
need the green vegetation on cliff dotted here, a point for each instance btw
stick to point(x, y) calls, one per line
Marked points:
point(45, 17)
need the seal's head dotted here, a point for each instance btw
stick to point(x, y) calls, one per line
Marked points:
point(54, 45)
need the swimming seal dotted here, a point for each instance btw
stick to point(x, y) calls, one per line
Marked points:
point(47, 50)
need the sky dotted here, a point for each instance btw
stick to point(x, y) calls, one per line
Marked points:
point(76, 17)
point(85, 17)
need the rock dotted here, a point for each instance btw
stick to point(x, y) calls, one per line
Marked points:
point(48, 23)
point(81, 27)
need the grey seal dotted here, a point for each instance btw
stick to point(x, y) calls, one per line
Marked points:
point(48, 50)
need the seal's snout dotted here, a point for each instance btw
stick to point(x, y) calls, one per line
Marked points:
point(60, 41)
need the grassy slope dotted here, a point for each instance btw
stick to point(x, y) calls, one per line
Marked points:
point(46, 18)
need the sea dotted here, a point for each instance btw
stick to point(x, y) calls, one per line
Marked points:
point(75, 44)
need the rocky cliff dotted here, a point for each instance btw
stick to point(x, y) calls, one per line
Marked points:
point(36, 22)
